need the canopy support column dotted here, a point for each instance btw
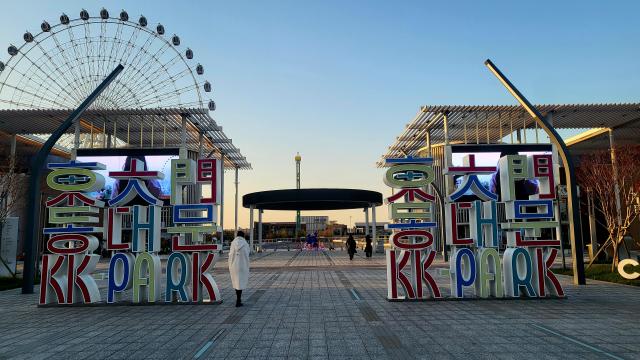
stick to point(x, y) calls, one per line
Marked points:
point(374, 237)
point(222, 198)
point(366, 221)
point(76, 140)
point(12, 159)
point(556, 175)
point(260, 211)
point(183, 137)
point(200, 156)
point(448, 189)
point(235, 225)
point(251, 228)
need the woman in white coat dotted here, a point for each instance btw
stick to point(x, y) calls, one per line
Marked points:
point(239, 265)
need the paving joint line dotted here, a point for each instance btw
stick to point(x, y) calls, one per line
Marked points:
point(355, 294)
point(208, 344)
point(578, 342)
point(329, 258)
point(293, 258)
point(391, 343)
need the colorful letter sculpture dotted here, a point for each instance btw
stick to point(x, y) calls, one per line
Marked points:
point(135, 265)
point(474, 229)
point(66, 269)
point(411, 208)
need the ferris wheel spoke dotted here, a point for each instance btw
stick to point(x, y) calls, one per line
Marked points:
point(138, 57)
point(18, 104)
point(114, 41)
point(81, 60)
point(170, 80)
point(102, 47)
point(156, 55)
point(160, 66)
point(21, 92)
point(88, 47)
point(26, 82)
point(176, 92)
point(75, 45)
point(140, 50)
point(72, 70)
point(153, 80)
point(29, 75)
point(67, 86)
point(121, 92)
point(130, 45)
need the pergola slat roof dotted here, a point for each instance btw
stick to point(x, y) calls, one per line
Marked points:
point(134, 128)
point(491, 123)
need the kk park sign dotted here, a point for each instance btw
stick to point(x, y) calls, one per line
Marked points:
point(67, 270)
point(474, 229)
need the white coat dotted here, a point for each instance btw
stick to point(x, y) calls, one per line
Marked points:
point(239, 263)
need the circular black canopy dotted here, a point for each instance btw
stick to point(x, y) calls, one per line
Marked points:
point(312, 199)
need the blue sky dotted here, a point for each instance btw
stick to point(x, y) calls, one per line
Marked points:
point(338, 80)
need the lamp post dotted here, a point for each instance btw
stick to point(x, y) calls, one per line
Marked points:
point(572, 199)
point(298, 158)
point(37, 165)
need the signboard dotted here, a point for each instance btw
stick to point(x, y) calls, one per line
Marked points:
point(628, 273)
point(135, 265)
point(9, 247)
point(474, 229)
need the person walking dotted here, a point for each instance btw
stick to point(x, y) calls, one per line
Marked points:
point(368, 249)
point(351, 246)
point(239, 265)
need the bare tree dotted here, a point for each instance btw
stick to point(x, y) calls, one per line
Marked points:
point(9, 188)
point(616, 190)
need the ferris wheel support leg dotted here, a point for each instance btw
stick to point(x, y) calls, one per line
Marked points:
point(33, 205)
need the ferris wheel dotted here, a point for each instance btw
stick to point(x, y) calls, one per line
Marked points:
point(58, 67)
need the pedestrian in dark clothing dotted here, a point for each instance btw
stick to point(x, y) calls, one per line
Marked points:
point(351, 247)
point(368, 249)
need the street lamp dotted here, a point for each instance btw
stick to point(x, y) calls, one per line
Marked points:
point(298, 158)
point(572, 199)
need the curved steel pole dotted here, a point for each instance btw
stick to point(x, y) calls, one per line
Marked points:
point(569, 169)
point(33, 204)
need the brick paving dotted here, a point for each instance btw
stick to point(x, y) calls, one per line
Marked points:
point(320, 305)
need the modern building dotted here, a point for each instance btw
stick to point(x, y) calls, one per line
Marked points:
point(278, 229)
point(315, 223)
point(361, 228)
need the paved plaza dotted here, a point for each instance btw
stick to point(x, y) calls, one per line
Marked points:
point(319, 305)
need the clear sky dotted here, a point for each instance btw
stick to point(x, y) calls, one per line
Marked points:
point(338, 80)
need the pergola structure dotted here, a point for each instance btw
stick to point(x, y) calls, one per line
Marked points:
point(189, 129)
point(585, 128)
point(510, 124)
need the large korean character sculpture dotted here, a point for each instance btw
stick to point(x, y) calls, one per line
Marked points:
point(411, 210)
point(67, 268)
point(192, 257)
point(136, 264)
point(530, 223)
point(472, 232)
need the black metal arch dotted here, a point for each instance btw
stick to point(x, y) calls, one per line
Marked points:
point(312, 199)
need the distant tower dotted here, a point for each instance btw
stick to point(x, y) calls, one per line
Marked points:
point(298, 158)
